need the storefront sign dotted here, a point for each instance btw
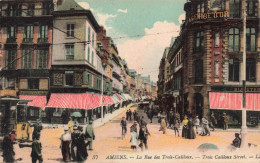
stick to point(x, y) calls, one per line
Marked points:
point(209, 15)
point(33, 92)
point(8, 93)
point(248, 89)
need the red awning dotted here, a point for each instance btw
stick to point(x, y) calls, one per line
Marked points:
point(108, 100)
point(37, 101)
point(68, 100)
point(233, 101)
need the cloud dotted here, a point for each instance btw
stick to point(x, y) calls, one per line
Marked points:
point(121, 10)
point(181, 17)
point(144, 54)
point(103, 19)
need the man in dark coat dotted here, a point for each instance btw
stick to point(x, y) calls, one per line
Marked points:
point(143, 137)
point(37, 127)
point(8, 149)
point(36, 153)
point(75, 137)
point(237, 141)
point(213, 121)
point(134, 113)
point(82, 153)
point(127, 114)
point(190, 131)
point(130, 114)
point(225, 121)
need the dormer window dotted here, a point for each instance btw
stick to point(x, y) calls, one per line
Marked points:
point(217, 5)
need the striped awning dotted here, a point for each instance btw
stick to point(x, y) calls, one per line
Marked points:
point(108, 100)
point(233, 101)
point(120, 97)
point(70, 100)
point(37, 101)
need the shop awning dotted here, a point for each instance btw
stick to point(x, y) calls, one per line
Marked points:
point(233, 101)
point(120, 97)
point(115, 99)
point(123, 96)
point(37, 101)
point(70, 100)
point(108, 100)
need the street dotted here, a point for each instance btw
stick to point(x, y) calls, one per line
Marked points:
point(109, 146)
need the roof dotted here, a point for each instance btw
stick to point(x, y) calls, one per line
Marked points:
point(69, 5)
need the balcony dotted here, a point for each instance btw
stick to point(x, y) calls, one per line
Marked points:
point(28, 40)
point(26, 13)
point(42, 40)
point(11, 40)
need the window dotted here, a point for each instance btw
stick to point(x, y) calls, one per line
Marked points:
point(43, 33)
point(30, 11)
point(251, 8)
point(251, 69)
point(11, 34)
point(198, 41)
point(200, 8)
point(250, 39)
point(10, 59)
point(42, 59)
point(27, 59)
point(92, 58)
point(88, 53)
point(69, 78)
point(216, 69)
point(70, 30)
point(69, 52)
point(234, 8)
point(87, 78)
point(216, 40)
point(198, 67)
point(233, 70)
point(28, 33)
point(89, 33)
point(15, 10)
point(217, 5)
point(46, 8)
point(93, 39)
point(233, 40)
point(33, 83)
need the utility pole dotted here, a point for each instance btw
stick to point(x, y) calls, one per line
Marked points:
point(244, 141)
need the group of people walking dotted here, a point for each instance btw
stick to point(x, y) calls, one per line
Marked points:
point(74, 144)
point(137, 139)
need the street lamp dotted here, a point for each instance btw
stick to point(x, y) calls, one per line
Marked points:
point(102, 91)
point(244, 141)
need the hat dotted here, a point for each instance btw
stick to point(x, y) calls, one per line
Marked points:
point(75, 128)
point(66, 128)
point(236, 134)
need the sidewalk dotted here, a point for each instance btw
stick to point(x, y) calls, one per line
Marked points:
point(97, 122)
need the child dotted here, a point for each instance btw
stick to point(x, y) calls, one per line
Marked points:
point(36, 149)
point(175, 127)
point(134, 140)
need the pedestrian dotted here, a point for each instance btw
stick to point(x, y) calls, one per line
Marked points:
point(237, 141)
point(82, 153)
point(134, 113)
point(163, 125)
point(134, 127)
point(205, 125)
point(143, 137)
point(70, 125)
point(225, 121)
point(8, 149)
point(176, 126)
point(12, 136)
point(134, 140)
point(213, 121)
point(130, 115)
point(36, 153)
point(190, 131)
point(37, 127)
point(65, 144)
point(74, 137)
point(185, 126)
point(137, 118)
point(197, 123)
point(90, 135)
point(142, 122)
point(127, 114)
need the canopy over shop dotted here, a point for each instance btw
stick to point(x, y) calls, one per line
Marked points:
point(231, 103)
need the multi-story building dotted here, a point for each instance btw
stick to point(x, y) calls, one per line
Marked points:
point(25, 38)
point(211, 62)
point(132, 82)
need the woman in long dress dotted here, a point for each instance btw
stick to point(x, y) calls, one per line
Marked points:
point(190, 132)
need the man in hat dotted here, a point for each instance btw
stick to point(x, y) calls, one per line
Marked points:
point(37, 127)
point(90, 135)
point(65, 144)
point(225, 121)
point(36, 153)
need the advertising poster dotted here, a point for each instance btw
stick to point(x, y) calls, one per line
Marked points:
point(123, 81)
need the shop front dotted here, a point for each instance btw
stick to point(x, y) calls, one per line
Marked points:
point(231, 104)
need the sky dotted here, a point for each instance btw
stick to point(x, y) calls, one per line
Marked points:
point(141, 29)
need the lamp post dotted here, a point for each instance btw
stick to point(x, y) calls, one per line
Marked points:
point(102, 91)
point(244, 141)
